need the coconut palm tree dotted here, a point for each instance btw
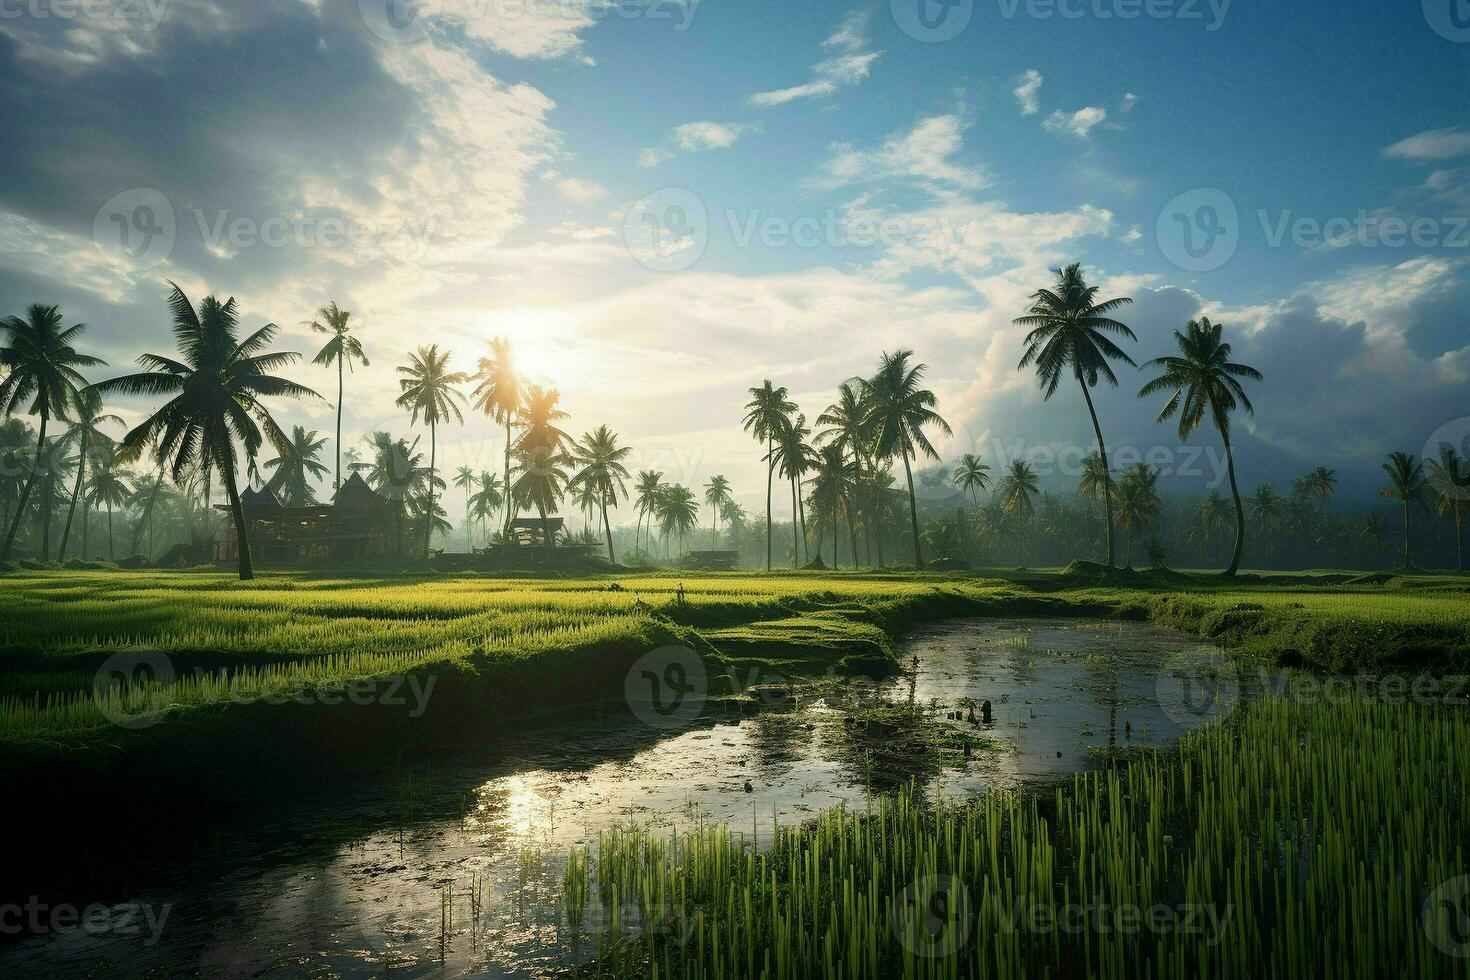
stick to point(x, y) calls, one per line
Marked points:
point(1204, 380)
point(541, 452)
point(395, 472)
point(1068, 335)
point(971, 476)
point(427, 388)
point(645, 500)
point(215, 388)
point(298, 464)
point(901, 411)
point(1405, 484)
point(678, 512)
point(343, 349)
point(767, 414)
point(1138, 500)
point(465, 479)
point(1449, 478)
point(146, 500)
point(832, 490)
point(601, 459)
point(794, 458)
point(717, 495)
point(109, 489)
point(40, 365)
point(1212, 513)
point(846, 424)
point(15, 463)
point(500, 394)
point(1321, 483)
point(1016, 493)
point(1095, 480)
point(487, 500)
point(86, 436)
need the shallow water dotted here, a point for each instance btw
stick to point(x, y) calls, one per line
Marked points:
point(473, 894)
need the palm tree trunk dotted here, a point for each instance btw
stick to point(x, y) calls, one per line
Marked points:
point(242, 539)
point(25, 493)
point(806, 548)
point(1239, 509)
point(770, 475)
point(76, 491)
point(111, 556)
point(337, 481)
point(836, 528)
point(913, 504)
point(1407, 563)
point(606, 526)
point(795, 529)
point(1459, 542)
point(508, 494)
point(1102, 452)
point(433, 454)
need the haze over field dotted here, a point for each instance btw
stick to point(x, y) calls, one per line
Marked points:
point(662, 203)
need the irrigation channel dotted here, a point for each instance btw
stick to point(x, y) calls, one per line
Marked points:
point(384, 881)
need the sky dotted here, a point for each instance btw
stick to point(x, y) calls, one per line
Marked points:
point(663, 202)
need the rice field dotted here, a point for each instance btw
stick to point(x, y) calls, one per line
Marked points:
point(1297, 839)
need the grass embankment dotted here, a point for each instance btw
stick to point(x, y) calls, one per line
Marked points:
point(1294, 840)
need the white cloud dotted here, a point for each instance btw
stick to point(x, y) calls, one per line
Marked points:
point(848, 63)
point(652, 156)
point(1078, 124)
point(1128, 102)
point(709, 135)
point(1027, 87)
point(923, 153)
point(579, 190)
point(1436, 144)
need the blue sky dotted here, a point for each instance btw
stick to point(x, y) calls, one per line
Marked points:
point(616, 189)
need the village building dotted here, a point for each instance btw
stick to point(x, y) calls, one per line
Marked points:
point(358, 524)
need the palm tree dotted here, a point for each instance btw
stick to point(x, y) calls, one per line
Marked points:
point(1322, 484)
point(766, 414)
point(500, 395)
point(832, 490)
point(847, 426)
point(428, 388)
point(42, 367)
point(1015, 492)
point(216, 387)
point(395, 473)
point(717, 495)
point(15, 453)
point(86, 435)
point(601, 459)
point(678, 511)
point(1204, 380)
point(794, 457)
point(109, 489)
point(298, 464)
point(1449, 478)
point(1212, 513)
point(1138, 500)
point(345, 350)
point(1405, 484)
point(487, 500)
point(465, 479)
point(1096, 481)
point(541, 452)
point(645, 496)
point(971, 476)
point(901, 410)
point(1068, 333)
point(145, 499)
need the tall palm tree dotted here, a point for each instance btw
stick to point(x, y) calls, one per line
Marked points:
point(901, 411)
point(41, 366)
point(645, 497)
point(717, 495)
point(1016, 493)
point(1069, 331)
point(1449, 478)
point(465, 479)
point(1096, 481)
point(1212, 513)
point(766, 414)
point(215, 388)
point(146, 500)
point(86, 436)
point(1138, 500)
point(1203, 380)
point(1322, 484)
point(297, 465)
point(1405, 484)
point(395, 472)
point(971, 476)
point(15, 462)
point(487, 500)
point(427, 388)
point(500, 394)
point(109, 489)
point(793, 458)
point(601, 459)
point(678, 511)
point(541, 451)
point(345, 350)
point(832, 490)
point(847, 425)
